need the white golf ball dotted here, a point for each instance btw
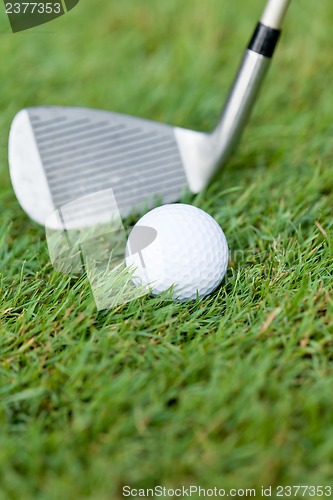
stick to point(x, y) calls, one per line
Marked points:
point(177, 245)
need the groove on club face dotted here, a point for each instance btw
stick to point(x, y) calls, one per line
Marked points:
point(83, 153)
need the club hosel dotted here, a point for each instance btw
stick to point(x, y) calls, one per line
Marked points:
point(244, 90)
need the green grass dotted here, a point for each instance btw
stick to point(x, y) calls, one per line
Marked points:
point(234, 391)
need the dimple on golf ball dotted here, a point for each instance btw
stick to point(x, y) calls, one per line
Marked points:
point(177, 245)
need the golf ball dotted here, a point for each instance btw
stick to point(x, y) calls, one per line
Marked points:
point(177, 245)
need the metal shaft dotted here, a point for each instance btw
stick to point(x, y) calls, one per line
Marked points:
point(248, 80)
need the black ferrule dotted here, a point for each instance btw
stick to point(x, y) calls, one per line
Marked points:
point(264, 40)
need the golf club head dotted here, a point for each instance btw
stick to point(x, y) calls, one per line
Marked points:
point(61, 154)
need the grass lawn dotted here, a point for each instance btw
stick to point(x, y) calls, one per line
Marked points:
point(234, 391)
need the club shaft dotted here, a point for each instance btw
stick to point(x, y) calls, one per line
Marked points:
point(248, 80)
point(274, 13)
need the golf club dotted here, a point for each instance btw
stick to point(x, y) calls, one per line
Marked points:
point(61, 154)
